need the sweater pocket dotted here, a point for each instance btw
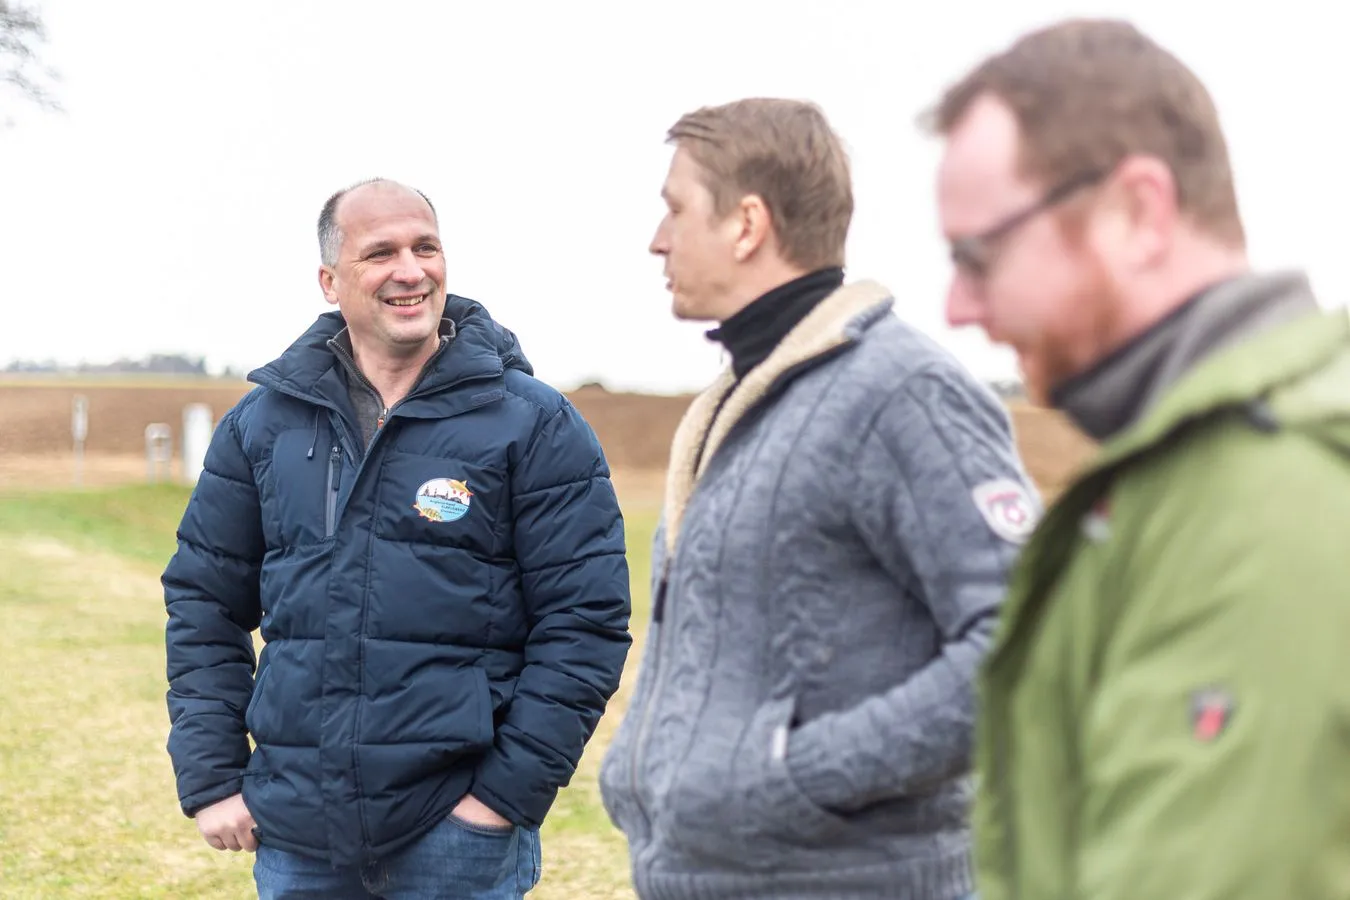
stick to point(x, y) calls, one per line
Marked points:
point(745, 808)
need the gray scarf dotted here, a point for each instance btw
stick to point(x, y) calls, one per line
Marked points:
point(1117, 391)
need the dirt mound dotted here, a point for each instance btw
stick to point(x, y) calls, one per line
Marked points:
point(634, 429)
point(35, 418)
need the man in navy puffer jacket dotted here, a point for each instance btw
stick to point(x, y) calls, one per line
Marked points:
point(430, 542)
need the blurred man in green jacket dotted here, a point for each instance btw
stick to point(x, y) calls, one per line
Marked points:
point(1165, 714)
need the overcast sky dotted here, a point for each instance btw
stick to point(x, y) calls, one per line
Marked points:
point(171, 208)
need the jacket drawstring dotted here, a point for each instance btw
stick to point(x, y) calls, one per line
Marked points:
point(315, 442)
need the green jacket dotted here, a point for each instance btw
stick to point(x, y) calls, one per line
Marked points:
point(1166, 709)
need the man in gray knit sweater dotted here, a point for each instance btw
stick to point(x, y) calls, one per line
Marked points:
point(842, 508)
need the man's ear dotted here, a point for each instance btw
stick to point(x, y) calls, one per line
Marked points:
point(754, 226)
point(1133, 221)
point(327, 277)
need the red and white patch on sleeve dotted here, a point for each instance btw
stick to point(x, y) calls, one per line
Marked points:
point(1007, 507)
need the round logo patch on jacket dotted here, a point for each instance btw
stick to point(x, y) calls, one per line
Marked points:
point(442, 500)
point(1007, 508)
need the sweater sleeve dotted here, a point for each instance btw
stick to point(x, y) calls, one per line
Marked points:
point(939, 493)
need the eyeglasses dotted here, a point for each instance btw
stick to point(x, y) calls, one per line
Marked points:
point(974, 255)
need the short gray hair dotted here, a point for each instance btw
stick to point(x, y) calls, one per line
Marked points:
point(330, 236)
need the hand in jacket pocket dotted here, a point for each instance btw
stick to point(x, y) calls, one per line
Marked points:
point(228, 825)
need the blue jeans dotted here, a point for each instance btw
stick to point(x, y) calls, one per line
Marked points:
point(454, 861)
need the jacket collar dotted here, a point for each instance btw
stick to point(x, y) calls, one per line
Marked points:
point(481, 349)
point(1242, 375)
point(835, 323)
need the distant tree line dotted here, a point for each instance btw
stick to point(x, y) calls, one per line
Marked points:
point(155, 364)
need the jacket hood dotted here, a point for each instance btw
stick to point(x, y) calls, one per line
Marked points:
point(1319, 405)
point(481, 347)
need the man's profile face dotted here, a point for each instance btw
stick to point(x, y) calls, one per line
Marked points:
point(698, 247)
point(389, 278)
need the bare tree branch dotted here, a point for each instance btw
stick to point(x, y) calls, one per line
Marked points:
point(21, 30)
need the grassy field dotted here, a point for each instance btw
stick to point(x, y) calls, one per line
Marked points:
point(87, 804)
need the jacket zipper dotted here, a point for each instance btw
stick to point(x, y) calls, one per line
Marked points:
point(658, 614)
point(365, 611)
point(334, 483)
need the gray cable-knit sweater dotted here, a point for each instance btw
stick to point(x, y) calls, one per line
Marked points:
point(828, 572)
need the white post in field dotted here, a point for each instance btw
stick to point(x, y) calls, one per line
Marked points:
point(79, 430)
point(197, 428)
point(158, 450)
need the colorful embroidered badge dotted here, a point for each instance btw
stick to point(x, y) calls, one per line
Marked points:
point(443, 500)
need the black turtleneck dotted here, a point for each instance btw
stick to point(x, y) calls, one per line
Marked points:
point(753, 333)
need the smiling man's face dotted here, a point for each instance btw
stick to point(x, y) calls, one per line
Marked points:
point(389, 278)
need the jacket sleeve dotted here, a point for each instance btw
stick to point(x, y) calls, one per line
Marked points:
point(211, 595)
point(1216, 742)
point(569, 544)
point(943, 503)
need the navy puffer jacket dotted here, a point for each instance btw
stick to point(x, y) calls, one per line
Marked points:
point(447, 613)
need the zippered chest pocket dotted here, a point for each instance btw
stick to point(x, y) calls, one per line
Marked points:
point(442, 501)
point(332, 489)
point(298, 489)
